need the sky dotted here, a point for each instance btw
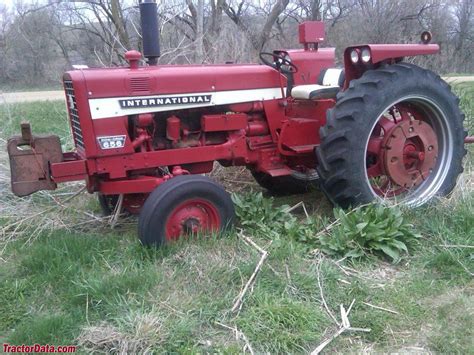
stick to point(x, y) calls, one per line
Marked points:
point(6, 2)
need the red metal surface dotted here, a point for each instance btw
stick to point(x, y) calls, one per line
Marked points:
point(225, 122)
point(144, 120)
point(138, 185)
point(133, 57)
point(297, 136)
point(192, 217)
point(410, 152)
point(311, 32)
point(382, 52)
point(401, 152)
point(176, 79)
point(173, 128)
point(69, 170)
point(257, 127)
point(390, 53)
point(310, 63)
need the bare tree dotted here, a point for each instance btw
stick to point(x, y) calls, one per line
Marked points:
point(464, 33)
point(40, 40)
point(257, 38)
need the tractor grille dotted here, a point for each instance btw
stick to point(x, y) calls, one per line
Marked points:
point(73, 114)
point(140, 84)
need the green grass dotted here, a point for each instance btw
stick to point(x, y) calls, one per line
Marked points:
point(94, 286)
point(54, 289)
point(465, 91)
point(457, 74)
point(48, 117)
point(23, 88)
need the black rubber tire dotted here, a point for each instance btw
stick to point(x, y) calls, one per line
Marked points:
point(168, 195)
point(284, 185)
point(341, 155)
point(107, 203)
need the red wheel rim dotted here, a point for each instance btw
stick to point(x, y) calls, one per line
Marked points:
point(191, 217)
point(402, 151)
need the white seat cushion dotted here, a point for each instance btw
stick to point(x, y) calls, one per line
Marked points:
point(314, 92)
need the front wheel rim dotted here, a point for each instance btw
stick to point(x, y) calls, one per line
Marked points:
point(192, 217)
point(409, 151)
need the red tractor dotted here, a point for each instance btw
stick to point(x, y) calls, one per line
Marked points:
point(378, 129)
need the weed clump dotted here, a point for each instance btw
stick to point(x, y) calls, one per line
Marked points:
point(261, 218)
point(372, 230)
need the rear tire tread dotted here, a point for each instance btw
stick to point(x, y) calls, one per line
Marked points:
point(345, 125)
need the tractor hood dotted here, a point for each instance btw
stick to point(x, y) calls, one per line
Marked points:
point(174, 79)
point(129, 91)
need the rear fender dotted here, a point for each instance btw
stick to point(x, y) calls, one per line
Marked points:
point(382, 54)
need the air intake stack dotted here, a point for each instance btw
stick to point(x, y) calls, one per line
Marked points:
point(150, 34)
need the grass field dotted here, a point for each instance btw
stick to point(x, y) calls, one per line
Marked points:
point(67, 277)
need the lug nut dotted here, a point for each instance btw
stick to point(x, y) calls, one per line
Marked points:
point(417, 155)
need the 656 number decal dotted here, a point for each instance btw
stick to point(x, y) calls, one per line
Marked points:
point(111, 142)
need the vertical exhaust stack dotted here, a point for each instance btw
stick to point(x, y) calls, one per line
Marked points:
point(150, 34)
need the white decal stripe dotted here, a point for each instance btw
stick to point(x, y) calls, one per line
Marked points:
point(110, 107)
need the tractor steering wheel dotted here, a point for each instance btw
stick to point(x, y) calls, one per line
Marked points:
point(279, 62)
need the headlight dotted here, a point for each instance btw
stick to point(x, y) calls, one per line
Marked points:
point(365, 55)
point(354, 56)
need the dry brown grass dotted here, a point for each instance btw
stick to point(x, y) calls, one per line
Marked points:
point(144, 332)
point(68, 208)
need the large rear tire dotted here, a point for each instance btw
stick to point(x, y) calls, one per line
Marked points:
point(396, 134)
point(184, 205)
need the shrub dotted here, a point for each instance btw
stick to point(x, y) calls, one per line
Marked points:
point(260, 217)
point(373, 229)
point(370, 230)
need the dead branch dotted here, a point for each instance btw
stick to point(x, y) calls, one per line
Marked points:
point(345, 326)
point(239, 302)
point(299, 204)
point(321, 292)
point(239, 335)
point(457, 246)
point(117, 211)
point(380, 308)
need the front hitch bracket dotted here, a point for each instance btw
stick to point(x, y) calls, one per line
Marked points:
point(30, 160)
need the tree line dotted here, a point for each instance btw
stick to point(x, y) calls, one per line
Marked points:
point(38, 41)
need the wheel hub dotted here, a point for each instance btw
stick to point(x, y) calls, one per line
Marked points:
point(192, 217)
point(191, 225)
point(410, 152)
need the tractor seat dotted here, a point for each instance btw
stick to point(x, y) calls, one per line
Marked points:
point(314, 92)
point(330, 82)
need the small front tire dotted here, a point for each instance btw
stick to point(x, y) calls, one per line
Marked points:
point(184, 205)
